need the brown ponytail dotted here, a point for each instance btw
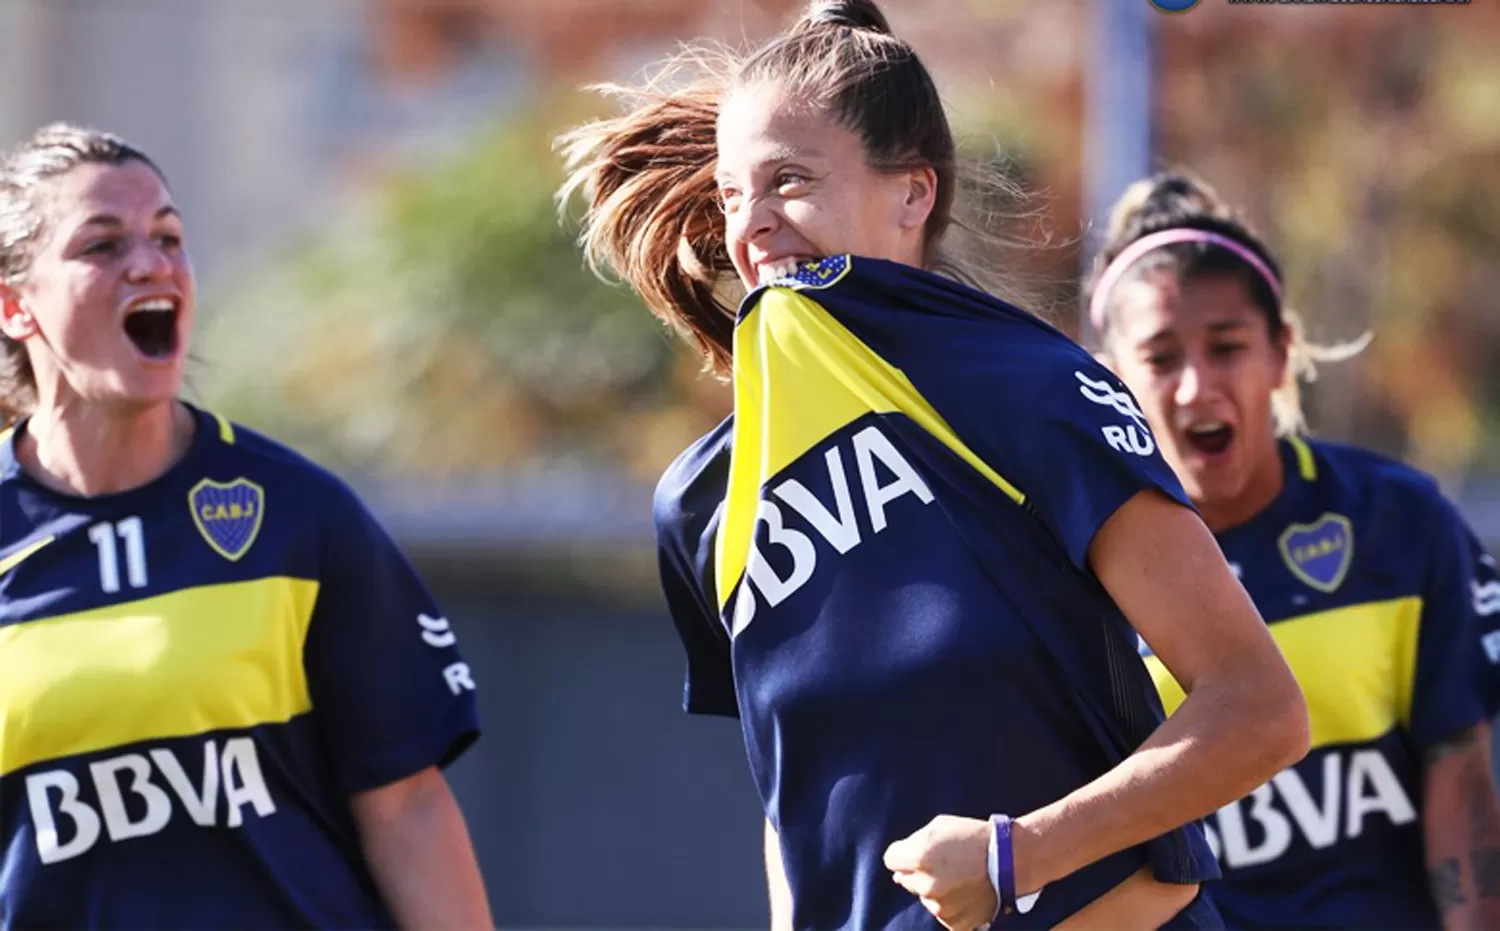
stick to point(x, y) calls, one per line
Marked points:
point(653, 215)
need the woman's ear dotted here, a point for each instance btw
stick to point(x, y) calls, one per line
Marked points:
point(921, 197)
point(16, 321)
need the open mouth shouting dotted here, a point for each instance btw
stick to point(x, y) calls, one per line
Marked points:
point(1209, 438)
point(151, 326)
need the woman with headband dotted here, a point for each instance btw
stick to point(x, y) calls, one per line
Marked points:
point(1366, 574)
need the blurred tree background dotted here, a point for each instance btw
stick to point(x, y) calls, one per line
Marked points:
point(1364, 142)
point(442, 323)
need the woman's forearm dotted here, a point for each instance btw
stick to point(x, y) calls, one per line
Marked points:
point(1243, 720)
point(1220, 745)
point(1461, 830)
point(419, 852)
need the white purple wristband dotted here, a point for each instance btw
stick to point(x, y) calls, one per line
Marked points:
point(1002, 870)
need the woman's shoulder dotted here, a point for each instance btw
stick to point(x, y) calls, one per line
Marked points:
point(278, 468)
point(693, 486)
point(1379, 487)
point(1371, 472)
point(929, 326)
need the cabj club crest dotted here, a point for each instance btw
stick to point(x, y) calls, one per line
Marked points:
point(228, 515)
point(816, 275)
point(1319, 553)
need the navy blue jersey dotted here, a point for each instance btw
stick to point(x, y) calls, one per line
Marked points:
point(1366, 575)
point(880, 565)
point(194, 677)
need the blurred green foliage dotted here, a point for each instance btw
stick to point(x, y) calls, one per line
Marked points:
point(1366, 148)
point(445, 324)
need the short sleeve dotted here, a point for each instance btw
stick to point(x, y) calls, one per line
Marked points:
point(1446, 689)
point(709, 684)
point(684, 539)
point(1485, 597)
point(1082, 451)
point(391, 693)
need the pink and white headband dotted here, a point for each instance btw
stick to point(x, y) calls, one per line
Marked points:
point(1132, 253)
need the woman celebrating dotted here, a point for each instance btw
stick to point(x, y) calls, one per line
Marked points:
point(923, 611)
point(1365, 573)
point(224, 694)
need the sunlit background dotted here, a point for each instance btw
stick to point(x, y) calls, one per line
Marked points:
point(368, 193)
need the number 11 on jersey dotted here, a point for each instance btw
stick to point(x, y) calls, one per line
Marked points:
point(103, 537)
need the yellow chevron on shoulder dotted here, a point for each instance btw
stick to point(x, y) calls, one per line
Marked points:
point(798, 368)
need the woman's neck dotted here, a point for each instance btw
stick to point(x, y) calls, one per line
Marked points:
point(89, 450)
point(1262, 488)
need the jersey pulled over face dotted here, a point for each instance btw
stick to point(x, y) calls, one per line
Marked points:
point(1375, 591)
point(880, 565)
point(194, 677)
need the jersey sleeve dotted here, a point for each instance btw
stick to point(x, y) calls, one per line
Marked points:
point(391, 693)
point(1447, 687)
point(685, 559)
point(1078, 448)
point(1486, 603)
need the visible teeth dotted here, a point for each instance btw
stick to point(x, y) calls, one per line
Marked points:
point(781, 268)
point(156, 304)
point(1207, 427)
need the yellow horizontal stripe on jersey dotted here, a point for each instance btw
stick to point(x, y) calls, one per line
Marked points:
point(183, 663)
point(1356, 666)
point(795, 364)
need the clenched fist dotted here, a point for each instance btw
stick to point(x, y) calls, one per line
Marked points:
point(946, 865)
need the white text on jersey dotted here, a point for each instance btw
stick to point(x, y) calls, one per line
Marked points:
point(1134, 437)
point(1284, 807)
point(58, 793)
point(1486, 598)
point(839, 527)
point(438, 634)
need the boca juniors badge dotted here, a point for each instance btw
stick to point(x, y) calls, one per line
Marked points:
point(815, 275)
point(1319, 553)
point(228, 514)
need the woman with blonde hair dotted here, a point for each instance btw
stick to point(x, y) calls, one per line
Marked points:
point(225, 696)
